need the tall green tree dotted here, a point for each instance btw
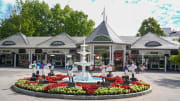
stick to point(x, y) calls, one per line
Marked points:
point(37, 19)
point(150, 25)
point(175, 58)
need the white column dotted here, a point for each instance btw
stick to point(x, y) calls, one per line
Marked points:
point(15, 60)
point(46, 57)
point(110, 54)
point(65, 60)
point(124, 56)
point(29, 57)
point(93, 54)
point(165, 65)
point(90, 54)
point(142, 58)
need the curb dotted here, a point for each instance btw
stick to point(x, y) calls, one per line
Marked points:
point(78, 97)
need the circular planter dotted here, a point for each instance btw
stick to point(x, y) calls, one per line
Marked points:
point(79, 97)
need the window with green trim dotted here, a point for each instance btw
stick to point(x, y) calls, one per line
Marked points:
point(101, 38)
point(8, 43)
point(57, 43)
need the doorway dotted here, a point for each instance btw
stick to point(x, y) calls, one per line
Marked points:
point(118, 60)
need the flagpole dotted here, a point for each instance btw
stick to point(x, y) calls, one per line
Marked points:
point(64, 28)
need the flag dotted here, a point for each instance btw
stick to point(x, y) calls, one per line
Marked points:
point(62, 24)
point(149, 23)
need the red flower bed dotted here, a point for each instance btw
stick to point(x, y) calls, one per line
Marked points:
point(51, 79)
point(54, 85)
point(127, 87)
point(118, 81)
point(111, 78)
point(139, 83)
point(89, 88)
point(136, 83)
point(97, 76)
point(60, 77)
point(118, 78)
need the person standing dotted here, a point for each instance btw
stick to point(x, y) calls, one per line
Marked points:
point(144, 67)
point(134, 67)
point(126, 69)
point(103, 71)
point(43, 66)
point(34, 66)
point(138, 68)
point(38, 67)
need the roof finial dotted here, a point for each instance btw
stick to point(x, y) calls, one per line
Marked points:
point(104, 14)
point(106, 19)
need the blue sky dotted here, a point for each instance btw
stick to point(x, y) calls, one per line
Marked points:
point(125, 16)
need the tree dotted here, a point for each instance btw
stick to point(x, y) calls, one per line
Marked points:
point(175, 58)
point(37, 19)
point(150, 25)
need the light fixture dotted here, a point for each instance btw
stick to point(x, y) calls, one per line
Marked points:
point(52, 55)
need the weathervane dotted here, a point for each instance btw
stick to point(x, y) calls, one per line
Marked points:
point(104, 14)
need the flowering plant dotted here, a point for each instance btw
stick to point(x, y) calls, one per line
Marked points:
point(54, 85)
point(89, 88)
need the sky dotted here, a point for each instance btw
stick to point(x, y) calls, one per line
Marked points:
point(124, 16)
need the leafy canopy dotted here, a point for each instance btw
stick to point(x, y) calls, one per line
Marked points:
point(150, 25)
point(175, 58)
point(35, 18)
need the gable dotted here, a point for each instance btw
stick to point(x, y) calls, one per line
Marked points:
point(60, 41)
point(152, 41)
point(103, 33)
point(18, 39)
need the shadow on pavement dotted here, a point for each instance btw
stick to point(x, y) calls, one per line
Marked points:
point(168, 83)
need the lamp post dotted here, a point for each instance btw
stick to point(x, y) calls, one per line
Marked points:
point(14, 54)
point(165, 63)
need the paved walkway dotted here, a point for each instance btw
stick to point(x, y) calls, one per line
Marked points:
point(166, 86)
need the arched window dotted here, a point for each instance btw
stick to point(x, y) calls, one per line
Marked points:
point(152, 44)
point(8, 43)
point(57, 43)
point(101, 38)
